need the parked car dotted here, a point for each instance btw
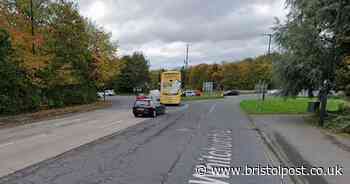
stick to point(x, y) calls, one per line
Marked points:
point(141, 96)
point(109, 92)
point(231, 93)
point(100, 94)
point(274, 92)
point(198, 93)
point(147, 107)
point(189, 93)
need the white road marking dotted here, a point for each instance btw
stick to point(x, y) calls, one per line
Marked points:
point(6, 144)
point(185, 106)
point(111, 124)
point(212, 108)
point(23, 140)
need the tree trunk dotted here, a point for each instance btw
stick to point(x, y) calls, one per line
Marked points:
point(310, 93)
point(323, 109)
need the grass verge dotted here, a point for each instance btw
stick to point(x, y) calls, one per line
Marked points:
point(204, 97)
point(277, 105)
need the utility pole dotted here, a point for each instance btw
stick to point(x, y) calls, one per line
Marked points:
point(186, 60)
point(32, 25)
point(185, 67)
point(270, 39)
point(268, 54)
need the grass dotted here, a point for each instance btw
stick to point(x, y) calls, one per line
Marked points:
point(205, 96)
point(276, 105)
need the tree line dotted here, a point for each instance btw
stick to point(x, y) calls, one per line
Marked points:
point(51, 56)
point(243, 75)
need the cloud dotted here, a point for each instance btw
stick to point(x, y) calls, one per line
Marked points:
point(216, 30)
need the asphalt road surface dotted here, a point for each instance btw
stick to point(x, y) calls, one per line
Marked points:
point(167, 149)
point(25, 145)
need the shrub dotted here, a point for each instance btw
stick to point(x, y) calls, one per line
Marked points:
point(17, 94)
point(60, 96)
point(347, 90)
point(340, 123)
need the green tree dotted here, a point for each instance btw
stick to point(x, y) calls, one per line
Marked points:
point(105, 65)
point(134, 73)
point(67, 79)
point(343, 77)
point(197, 75)
point(311, 39)
point(16, 92)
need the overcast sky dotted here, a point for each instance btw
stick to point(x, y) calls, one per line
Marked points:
point(217, 30)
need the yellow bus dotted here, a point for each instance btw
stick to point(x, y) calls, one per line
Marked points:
point(170, 88)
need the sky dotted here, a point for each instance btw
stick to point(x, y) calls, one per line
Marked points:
point(216, 30)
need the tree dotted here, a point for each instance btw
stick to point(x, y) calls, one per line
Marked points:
point(55, 53)
point(244, 74)
point(155, 78)
point(311, 40)
point(134, 73)
point(197, 75)
point(343, 76)
point(104, 66)
point(16, 92)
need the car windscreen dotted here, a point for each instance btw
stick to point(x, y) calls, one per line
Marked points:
point(142, 103)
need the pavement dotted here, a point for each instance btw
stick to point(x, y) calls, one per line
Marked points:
point(303, 144)
point(167, 149)
point(28, 144)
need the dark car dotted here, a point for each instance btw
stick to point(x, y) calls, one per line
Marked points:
point(147, 107)
point(231, 93)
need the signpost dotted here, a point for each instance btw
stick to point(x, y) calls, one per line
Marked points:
point(261, 89)
point(208, 87)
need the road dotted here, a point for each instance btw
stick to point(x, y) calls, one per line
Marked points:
point(46, 139)
point(166, 149)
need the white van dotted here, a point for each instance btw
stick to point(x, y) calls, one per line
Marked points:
point(154, 95)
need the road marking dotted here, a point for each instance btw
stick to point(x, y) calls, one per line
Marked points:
point(218, 153)
point(23, 140)
point(212, 108)
point(6, 144)
point(185, 106)
point(111, 124)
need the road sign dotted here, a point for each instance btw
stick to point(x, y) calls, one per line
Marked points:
point(208, 87)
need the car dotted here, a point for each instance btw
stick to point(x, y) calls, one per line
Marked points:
point(147, 107)
point(189, 93)
point(231, 93)
point(154, 95)
point(100, 94)
point(109, 92)
point(141, 97)
point(274, 92)
point(198, 93)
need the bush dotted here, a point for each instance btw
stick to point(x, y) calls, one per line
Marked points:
point(17, 94)
point(347, 90)
point(340, 124)
point(60, 96)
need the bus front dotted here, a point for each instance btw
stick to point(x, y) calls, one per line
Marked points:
point(170, 88)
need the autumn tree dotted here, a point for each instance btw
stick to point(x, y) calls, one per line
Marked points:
point(17, 94)
point(59, 53)
point(105, 65)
